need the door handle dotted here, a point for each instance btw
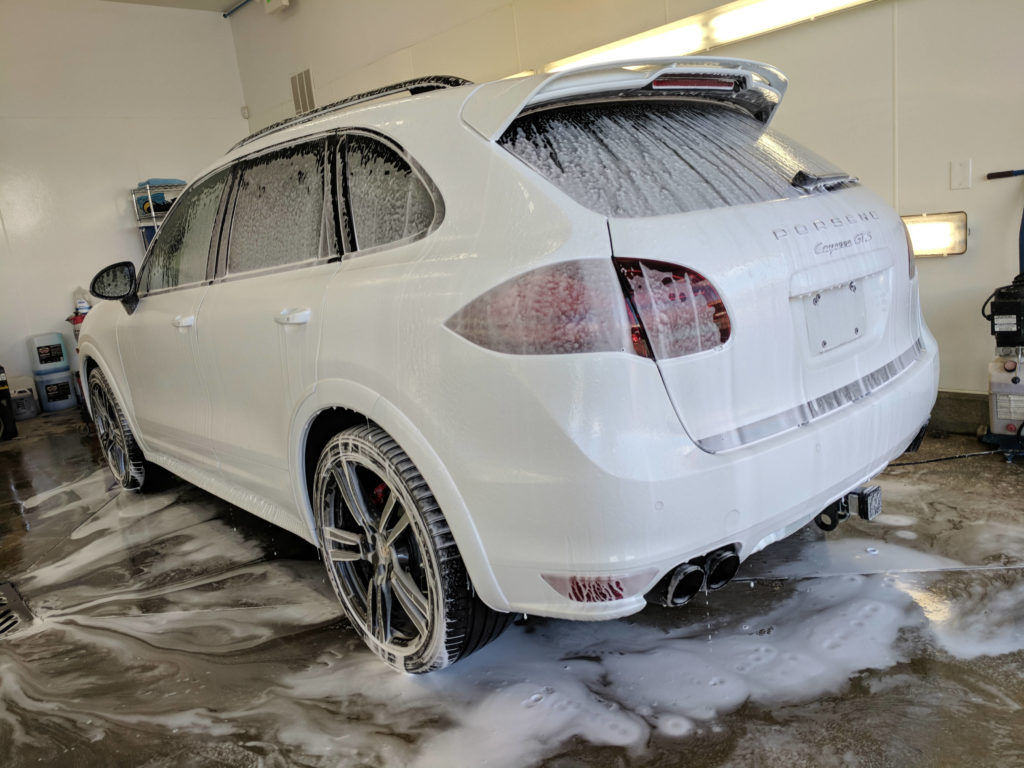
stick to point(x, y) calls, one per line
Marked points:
point(186, 321)
point(293, 316)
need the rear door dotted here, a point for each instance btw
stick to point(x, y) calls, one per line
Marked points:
point(259, 328)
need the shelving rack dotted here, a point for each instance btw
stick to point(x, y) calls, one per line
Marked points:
point(150, 202)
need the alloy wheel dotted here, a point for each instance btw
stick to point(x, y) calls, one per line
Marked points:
point(109, 431)
point(376, 559)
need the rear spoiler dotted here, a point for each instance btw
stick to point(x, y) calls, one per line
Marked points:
point(756, 88)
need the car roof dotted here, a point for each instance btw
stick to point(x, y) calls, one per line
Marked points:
point(489, 108)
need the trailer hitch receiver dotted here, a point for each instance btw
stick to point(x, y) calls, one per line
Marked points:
point(865, 502)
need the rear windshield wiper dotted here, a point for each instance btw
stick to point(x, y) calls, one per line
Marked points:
point(811, 183)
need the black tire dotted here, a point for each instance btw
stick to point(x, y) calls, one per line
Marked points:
point(391, 558)
point(124, 457)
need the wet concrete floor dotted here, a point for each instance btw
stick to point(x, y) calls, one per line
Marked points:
point(170, 629)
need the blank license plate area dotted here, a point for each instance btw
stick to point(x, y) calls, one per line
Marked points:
point(835, 316)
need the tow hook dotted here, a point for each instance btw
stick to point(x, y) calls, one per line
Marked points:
point(865, 502)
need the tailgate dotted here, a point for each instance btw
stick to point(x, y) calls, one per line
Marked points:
point(819, 299)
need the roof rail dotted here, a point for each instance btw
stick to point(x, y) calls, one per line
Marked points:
point(418, 85)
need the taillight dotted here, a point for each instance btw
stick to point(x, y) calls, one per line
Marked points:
point(680, 311)
point(911, 266)
point(657, 311)
point(566, 308)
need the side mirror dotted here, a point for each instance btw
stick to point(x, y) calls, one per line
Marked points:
point(116, 282)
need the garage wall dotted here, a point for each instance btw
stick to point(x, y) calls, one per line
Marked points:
point(355, 45)
point(892, 91)
point(918, 84)
point(94, 97)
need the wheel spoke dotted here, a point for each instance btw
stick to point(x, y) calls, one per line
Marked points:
point(413, 602)
point(99, 410)
point(100, 398)
point(385, 514)
point(384, 610)
point(117, 456)
point(108, 407)
point(352, 493)
point(119, 445)
point(378, 609)
point(400, 525)
point(345, 538)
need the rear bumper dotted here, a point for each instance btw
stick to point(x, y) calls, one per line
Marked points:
point(660, 501)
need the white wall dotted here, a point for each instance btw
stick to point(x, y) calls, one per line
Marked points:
point(355, 45)
point(94, 97)
point(892, 91)
point(918, 84)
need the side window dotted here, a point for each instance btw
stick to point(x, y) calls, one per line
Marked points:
point(182, 248)
point(386, 199)
point(278, 209)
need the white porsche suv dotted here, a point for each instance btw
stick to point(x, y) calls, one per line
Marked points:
point(551, 345)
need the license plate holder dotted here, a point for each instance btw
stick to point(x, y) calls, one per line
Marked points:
point(835, 316)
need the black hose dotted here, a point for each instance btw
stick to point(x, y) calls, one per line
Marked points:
point(1004, 174)
point(1020, 244)
point(944, 458)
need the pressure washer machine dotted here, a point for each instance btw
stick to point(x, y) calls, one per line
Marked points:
point(1004, 310)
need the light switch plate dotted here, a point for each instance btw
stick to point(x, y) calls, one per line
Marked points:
point(960, 174)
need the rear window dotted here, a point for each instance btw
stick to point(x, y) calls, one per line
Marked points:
point(634, 159)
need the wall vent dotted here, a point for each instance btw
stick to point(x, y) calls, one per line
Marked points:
point(302, 92)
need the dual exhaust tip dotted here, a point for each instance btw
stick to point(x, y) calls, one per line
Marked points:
point(712, 571)
point(715, 569)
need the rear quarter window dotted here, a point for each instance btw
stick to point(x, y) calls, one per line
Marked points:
point(643, 158)
point(387, 200)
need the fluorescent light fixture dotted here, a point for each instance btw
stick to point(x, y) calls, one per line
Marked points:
point(676, 39)
point(725, 24)
point(938, 234)
point(748, 19)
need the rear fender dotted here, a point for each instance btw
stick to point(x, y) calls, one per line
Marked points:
point(341, 393)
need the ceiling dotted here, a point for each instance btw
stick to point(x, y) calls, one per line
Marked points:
point(195, 5)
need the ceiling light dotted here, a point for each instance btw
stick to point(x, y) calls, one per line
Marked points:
point(727, 23)
point(676, 39)
point(739, 20)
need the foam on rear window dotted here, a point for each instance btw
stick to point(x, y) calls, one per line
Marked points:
point(643, 158)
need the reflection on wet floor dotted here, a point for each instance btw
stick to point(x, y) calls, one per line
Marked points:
point(170, 629)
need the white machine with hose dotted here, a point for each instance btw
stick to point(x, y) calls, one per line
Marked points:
point(1004, 309)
